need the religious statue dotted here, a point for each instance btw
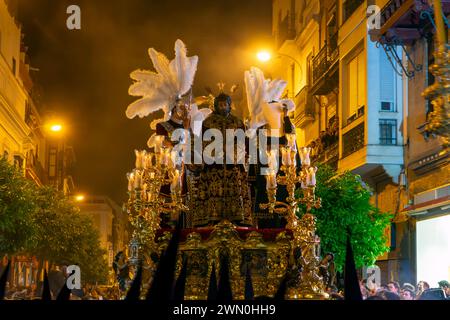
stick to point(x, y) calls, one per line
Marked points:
point(221, 187)
point(218, 187)
point(168, 88)
point(269, 116)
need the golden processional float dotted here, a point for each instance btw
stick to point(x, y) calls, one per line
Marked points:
point(216, 200)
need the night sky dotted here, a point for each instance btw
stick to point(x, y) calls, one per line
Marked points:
point(84, 74)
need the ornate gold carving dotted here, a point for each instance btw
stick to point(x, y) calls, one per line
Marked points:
point(439, 92)
point(218, 194)
point(268, 261)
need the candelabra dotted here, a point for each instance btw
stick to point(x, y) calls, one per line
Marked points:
point(162, 167)
point(303, 229)
point(439, 92)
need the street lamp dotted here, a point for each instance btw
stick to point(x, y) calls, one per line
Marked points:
point(56, 127)
point(265, 56)
point(79, 198)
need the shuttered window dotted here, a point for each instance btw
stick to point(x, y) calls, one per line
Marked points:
point(387, 83)
point(356, 84)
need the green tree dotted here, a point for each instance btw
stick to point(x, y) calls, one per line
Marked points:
point(66, 237)
point(346, 205)
point(17, 208)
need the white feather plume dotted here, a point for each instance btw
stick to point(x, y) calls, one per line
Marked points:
point(253, 91)
point(263, 99)
point(159, 90)
point(197, 117)
point(144, 106)
point(183, 67)
point(275, 89)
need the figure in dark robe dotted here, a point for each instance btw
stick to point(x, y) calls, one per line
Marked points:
point(220, 190)
point(121, 270)
point(265, 220)
point(179, 120)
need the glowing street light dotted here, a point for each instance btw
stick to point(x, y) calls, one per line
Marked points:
point(79, 198)
point(263, 56)
point(56, 127)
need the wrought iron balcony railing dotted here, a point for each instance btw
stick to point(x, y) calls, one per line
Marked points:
point(353, 140)
point(404, 21)
point(285, 30)
point(305, 108)
point(325, 59)
point(327, 154)
point(390, 9)
point(350, 6)
point(36, 170)
point(320, 64)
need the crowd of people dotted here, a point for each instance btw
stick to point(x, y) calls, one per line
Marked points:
point(326, 139)
point(393, 291)
point(88, 292)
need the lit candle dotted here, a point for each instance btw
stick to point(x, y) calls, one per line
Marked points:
point(293, 157)
point(148, 161)
point(159, 139)
point(138, 160)
point(130, 177)
point(286, 156)
point(291, 137)
point(304, 156)
point(175, 185)
point(272, 160)
point(137, 180)
point(271, 180)
point(312, 176)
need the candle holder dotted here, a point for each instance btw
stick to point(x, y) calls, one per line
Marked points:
point(303, 229)
point(145, 203)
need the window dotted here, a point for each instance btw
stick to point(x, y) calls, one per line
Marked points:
point(388, 131)
point(387, 83)
point(356, 86)
point(52, 163)
point(308, 69)
point(14, 66)
point(350, 6)
point(387, 106)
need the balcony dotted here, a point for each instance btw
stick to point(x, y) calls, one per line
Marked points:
point(350, 6)
point(325, 149)
point(325, 154)
point(305, 108)
point(35, 170)
point(325, 67)
point(285, 30)
point(353, 140)
point(405, 20)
